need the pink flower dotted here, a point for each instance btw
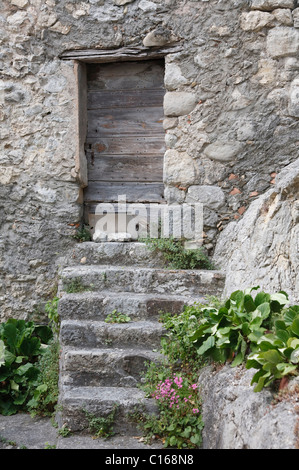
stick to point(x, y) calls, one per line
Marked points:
point(178, 381)
point(195, 410)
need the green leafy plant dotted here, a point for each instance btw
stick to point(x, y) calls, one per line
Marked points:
point(45, 395)
point(179, 423)
point(49, 446)
point(261, 332)
point(83, 234)
point(102, 426)
point(177, 256)
point(21, 344)
point(117, 317)
point(180, 417)
point(232, 331)
point(74, 286)
point(176, 344)
point(51, 309)
point(64, 431)
point(172, 383)
point(277, 353)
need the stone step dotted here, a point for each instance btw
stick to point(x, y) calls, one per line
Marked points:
point(97, 305)
point(97, 334)
point(102, 363)
point(114, 253)
point(143, 280)
point(106, 367)
point(100, 401)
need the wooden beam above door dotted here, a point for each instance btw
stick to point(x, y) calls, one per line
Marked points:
point(121, 54)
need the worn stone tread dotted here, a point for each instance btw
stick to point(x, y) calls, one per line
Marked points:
point(93, 334)
point(116, 253)
point(139, 306)
point(103, 367)
point(100, 401)
point(112, 395)
point(145, 280)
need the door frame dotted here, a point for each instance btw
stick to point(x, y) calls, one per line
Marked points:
point(82, 57)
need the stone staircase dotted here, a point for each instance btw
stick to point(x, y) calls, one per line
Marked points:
point(101, 363)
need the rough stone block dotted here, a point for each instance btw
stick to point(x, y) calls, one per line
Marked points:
point(158, 37)
point(269, 5)
point(179, 103)
point(147, 6)
point(20, 3)
point(211, 196)
point(179, 168)
point(222, 151)
point(294, 98)
point(17, 18)
point(296, 17)
point(283, 16)
point(174, 77)
point(170, 140)
point(170, 123)
point(256, 20)
point(283, 41)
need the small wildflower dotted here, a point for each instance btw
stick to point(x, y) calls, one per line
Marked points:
point(177, 398)
point(178, 381)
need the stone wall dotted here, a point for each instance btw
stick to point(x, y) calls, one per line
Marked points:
point(231, 116)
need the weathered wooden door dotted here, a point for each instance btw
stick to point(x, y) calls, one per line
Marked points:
point(125, 136)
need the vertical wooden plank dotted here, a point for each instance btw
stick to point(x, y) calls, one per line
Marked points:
point(81, 102)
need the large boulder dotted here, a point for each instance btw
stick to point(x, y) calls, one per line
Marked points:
point(236, 417)
point(263, 247)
